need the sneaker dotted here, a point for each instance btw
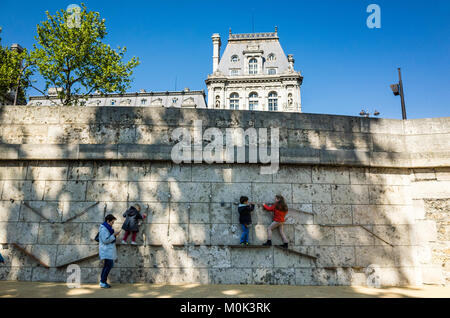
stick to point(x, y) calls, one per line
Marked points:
point(105, 285)
point(134, 243)
point(284, 245)
point(242, 243)
point(123, 242)
point(246, 243)
point(268, 243)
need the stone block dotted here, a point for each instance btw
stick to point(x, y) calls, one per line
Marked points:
point(60, 233)
point(225, 234)
point(148, 191)
point(25, 134)
point(51, 210)
point(130, 171)
point(170, 172)
point(383, 214)
point(170, 258)
point(350, 194)
point(12, 170)
point(334, 256)
point(9, 211)
point(265, 192)
point(156, 213)
point(92, 214)
point(44, 151)
point(352, 236)
point(314, 235)
point(15, 273)
point(245, 173)
point(315, 277)
point(380, 194)
point(359, 175)
point(293, 174)
point(212, 257)
point(23, 190)
point(52, 170)
point(296, 216)
point(97, 151)
point(256, 258)
point(179, 212)
point(395, 234)
point(71, 254)
point(65, 190)
point(222, 212)
point(383, 256)
point(22, 233)
point(432, 275)
point(431, 190)
point(274, 276)
point(189, 192)
point(9, 152)
point(286, 259)
point(229, 192)
point(16, 258)
point(332, 175)
point(303, 138)
point(389, 176)
point(311, 193)
point(107, 191)
point(200, 234)
point(235, 276)
point(89, 170)
point(332, 214)
point(388, 143)
point(199, 213)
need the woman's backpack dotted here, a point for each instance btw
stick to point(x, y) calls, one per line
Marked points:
point(1, 259)
point(97, 237)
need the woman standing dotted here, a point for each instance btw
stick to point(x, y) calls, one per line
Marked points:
point(107, 247)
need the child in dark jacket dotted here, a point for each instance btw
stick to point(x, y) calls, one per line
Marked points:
point(245, 218)
point(131, 224)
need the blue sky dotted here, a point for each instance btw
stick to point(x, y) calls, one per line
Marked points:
point(346, 66)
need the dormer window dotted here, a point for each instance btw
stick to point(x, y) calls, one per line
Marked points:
point(234, 72)
point(253, 66)
point(271, 71)
point(143, 101)
point(234, 58)
point(271, 57)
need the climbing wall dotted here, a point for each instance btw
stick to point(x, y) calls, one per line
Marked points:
point(367, 204)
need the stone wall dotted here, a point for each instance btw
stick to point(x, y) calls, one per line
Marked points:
point(371, 198)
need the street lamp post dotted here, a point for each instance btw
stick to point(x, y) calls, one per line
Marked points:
point(397, 89)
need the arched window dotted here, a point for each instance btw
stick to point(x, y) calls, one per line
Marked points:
point(253, 101)
point(234, 58)
point(253, 66)
point(273, 101)
point(234, 101)
point(271, 57)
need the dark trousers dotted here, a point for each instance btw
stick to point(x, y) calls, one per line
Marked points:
point(133, 236)
point(109, 263)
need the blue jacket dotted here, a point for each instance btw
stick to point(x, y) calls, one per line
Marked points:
point(106, 244)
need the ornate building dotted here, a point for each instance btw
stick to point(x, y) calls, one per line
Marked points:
point(253, 74)
point(183, 99)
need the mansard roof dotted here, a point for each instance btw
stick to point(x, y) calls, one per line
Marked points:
point(263, 43)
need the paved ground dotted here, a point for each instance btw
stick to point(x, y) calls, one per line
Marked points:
point(58, 290)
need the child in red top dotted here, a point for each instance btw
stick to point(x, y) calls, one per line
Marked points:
point(279, 209)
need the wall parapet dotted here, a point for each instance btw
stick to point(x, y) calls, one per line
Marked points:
point(142, 133)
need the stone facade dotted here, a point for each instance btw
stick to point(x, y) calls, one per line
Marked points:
point(181, 99)
point(371, 205)
point(253, 74)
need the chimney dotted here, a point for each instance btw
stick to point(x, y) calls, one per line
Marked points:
point(216, 51)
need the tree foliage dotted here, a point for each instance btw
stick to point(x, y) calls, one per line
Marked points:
point(13, 72)
point(71, 56)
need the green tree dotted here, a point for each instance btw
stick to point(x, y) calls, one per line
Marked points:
point(71, 56)
point(14, 73)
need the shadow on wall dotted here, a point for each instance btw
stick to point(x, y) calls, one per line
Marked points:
point(194, 204)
